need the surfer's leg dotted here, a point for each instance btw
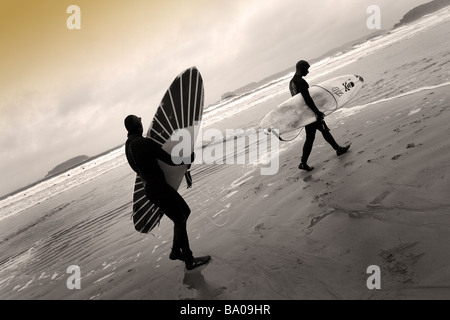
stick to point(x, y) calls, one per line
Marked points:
point(177, 210)
point(188, 177)
point(180, 248)
point(179, 215)
point(307, 146)
point(328, 137)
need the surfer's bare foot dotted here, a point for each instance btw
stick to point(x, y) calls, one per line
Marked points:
point(304, 166)
point(342, 150)
point(192, 263)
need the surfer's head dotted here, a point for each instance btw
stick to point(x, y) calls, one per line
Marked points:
point(302, 68)
point(133, 124)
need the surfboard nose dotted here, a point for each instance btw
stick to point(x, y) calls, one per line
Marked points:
point(359, 78)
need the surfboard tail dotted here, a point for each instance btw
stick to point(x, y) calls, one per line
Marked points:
point(146, 215)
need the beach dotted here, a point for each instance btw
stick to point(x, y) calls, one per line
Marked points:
point(294, 235)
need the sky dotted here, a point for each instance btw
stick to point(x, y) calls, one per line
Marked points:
point(64, 92)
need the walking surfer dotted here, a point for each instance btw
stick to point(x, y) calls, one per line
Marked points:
point(142, 154)
point(299, 85)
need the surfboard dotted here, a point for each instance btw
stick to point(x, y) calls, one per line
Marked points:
point(181, 108)
point(328, 96)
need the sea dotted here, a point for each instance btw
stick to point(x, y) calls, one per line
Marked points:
point(107, 174)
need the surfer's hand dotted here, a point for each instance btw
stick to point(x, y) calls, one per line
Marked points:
point(320, 115)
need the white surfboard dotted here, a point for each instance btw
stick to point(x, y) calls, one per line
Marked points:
point(180, 108)
point(328, 96)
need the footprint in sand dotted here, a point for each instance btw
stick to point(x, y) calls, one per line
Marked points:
point(320, 199)
point(421, 129)
point(398, 263)
point(293, 179)
point(377, 201)
point(348, 164)
point(258, 227)
point(310, 178)
point(412, 145)
point(375, 160)
point(414, 122)
point(409, 146)
point(258, 188)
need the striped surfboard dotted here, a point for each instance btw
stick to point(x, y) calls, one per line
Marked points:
point(180, 108)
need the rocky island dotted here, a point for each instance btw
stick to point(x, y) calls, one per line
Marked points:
point(67, 165)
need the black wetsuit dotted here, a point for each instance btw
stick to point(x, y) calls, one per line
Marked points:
point(299, 85)
point(142, 155)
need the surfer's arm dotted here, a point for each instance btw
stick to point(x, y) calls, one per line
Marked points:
point(310, 103)
point(293, 88)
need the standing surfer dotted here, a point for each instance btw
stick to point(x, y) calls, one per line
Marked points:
point(142, 155)
point(299, 85)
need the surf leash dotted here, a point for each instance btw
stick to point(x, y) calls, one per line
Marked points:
point(286, 140)
point(226, 210)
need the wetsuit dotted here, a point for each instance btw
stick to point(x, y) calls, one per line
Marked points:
point(142, 155)
point(299, 85)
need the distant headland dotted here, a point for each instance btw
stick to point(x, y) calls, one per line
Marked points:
point(422, 10)
point(69, 164)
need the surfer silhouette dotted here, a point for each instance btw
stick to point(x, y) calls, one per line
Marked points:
point(299, 85)
point(142, 154)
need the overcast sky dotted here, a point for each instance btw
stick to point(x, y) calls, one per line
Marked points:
point(65, 93)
